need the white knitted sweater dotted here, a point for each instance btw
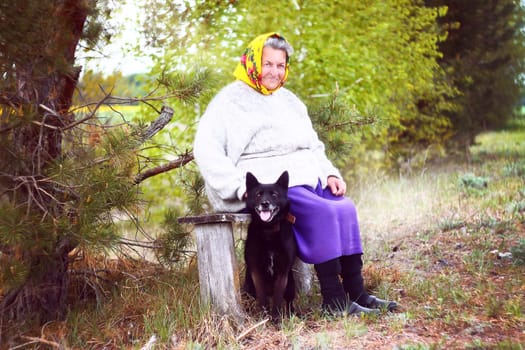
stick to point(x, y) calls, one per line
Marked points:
point(243, 130)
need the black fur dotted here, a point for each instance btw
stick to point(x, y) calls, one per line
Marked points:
point(270, 248)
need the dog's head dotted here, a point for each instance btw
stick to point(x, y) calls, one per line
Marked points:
point(267, 202)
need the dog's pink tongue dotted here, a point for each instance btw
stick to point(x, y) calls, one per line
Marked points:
point(265, 215)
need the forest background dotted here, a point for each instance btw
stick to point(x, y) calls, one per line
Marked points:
point(391, 87)
point(394, 85)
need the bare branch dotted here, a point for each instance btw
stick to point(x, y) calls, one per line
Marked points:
point(158, 124)
point(45, 125)
point(141, 244)
point(177, 163)
point(90, 115)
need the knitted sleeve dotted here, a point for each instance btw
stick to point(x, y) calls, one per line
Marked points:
point(216, 151)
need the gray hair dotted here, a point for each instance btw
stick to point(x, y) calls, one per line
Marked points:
point(279, 43)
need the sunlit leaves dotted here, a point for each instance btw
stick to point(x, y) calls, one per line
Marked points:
point(382, 55)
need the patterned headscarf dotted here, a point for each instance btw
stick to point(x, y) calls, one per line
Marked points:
point(249, 68)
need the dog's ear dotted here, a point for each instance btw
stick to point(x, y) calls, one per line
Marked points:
point(251, 181)
point(283, 180)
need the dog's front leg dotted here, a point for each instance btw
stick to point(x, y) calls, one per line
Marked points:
point(260, 290)
point(278, 293)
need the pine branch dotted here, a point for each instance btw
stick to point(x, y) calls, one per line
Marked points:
point(361, 122)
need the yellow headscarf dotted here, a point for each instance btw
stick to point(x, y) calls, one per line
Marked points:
point(249, 67)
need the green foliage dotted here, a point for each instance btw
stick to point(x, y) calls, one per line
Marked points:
point(382, 55)
point(470, 180)
point(25, 38)
point(336, 125)
point(186, 19)
point(167, 85)
point(484, 56)
point(23, 35)
point(188, 86)
point(102, 179)
point(193, 185)
point(515, 169)
point(78, 199)
point(174, 240)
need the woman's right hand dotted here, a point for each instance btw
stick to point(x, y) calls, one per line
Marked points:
point(336, 185)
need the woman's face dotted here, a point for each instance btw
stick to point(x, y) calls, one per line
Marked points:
point(273, 67)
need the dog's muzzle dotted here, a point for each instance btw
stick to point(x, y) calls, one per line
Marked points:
point(266, 211)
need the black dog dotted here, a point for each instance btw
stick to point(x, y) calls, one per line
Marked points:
point(270, 248)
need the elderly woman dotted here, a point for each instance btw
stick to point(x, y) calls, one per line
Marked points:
point(255, 124)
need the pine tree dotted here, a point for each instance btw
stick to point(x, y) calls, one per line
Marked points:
point(63, 172)
point(41, 218)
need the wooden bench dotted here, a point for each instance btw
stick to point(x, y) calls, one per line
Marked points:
point(217, 261)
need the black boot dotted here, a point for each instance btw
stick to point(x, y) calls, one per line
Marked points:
point(335, 300)
point(374, 302)
point(351, 267)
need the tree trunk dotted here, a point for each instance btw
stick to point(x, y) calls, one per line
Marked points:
point(42, 295)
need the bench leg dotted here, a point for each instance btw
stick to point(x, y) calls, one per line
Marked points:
point(303, 276)
point(218, 269)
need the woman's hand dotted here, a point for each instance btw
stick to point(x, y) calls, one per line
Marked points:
point(336, 185)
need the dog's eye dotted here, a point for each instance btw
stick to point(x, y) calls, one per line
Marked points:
point(258, 194)
point(275, 195)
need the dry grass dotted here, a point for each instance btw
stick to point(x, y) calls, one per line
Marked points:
point(392, 208)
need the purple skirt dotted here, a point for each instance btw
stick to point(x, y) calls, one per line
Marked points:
point(326, 226)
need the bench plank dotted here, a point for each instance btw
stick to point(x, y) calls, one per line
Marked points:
point(215, 217)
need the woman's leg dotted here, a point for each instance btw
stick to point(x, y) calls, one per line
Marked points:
point(331, 288)
point(351, 266)
point(353, 283)
point(335, 299)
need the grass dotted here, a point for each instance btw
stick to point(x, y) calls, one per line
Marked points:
point(437, 242)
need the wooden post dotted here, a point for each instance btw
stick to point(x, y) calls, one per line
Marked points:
point(217, 263)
